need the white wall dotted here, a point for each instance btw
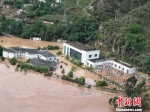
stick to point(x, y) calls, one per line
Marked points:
point(8, 54)
point(58, 1)
point(54, 58)
point(124, 68)
point(69, 46)
point(85, 54)
point(115, 65)
point(31, 56)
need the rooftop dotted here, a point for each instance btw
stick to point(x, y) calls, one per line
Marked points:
point(80, 46)
point(97, 59)
point(123, 63)
point(9, 50)
point(20, 49)
point(46, 54)
point(20, 16)
point(42, 63)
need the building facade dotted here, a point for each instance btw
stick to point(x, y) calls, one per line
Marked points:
point(80, 52)
point(114, 64)
point(91, 57)
point(19, 52)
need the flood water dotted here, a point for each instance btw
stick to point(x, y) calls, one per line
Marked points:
point(32, 92)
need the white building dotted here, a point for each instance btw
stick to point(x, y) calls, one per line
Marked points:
point(45, 55)
point(114, 64)
point(42, 1)
point(58, 1)
point(35, 38)
point(80, 52)
point(91, 57)
point(19, 52)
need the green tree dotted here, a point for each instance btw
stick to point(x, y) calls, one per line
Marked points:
point(63, 71)
point(13, 61)
point(1, 50)
point(70, 74)
point(101, 83)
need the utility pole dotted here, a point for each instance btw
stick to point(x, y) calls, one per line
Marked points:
point(65, 16)
point(116, 14)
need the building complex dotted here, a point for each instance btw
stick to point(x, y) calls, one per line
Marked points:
point(90, 56)
point(37, 57)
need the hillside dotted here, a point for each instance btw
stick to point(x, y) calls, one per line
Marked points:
point(119, 28)
point(128, 37)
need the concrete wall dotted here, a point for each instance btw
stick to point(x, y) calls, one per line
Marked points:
point(115, 65)
point(54, 58)
point(85, 54)
point(31, 56)
point(8, 54)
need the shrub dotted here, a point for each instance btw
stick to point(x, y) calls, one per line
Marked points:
point(135, 29)
point(16, 69)
point(73, 68)
point(67, 78)
point(56, 47)
point(63, 71)
point(48, 74)
point(89, 68)
point(25, 70)
point(70, 74)
point(59, 53)
point(51, 68)
point(80, 80)
point(101, 83)
point(3, 58)
point(50, 47)
point(28, 60)
point(13, 61)
point(67, 57)
point(61, 66)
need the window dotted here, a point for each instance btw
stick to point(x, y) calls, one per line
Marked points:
point(54, 58)
point(115, 65)
point(95, 55)
point(119, 66)
point(90, 65)
point(49, 58)
point(127, 71)
point(122, 68)
point(87, 63)
point(90, 56)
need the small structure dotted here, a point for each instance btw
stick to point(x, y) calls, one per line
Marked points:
point(45, 55)
point(27, 5)
point(42, 1)
point(61, 40)
point(35, 38)
point(20, 17)
point(19, 11)
point(58, 1)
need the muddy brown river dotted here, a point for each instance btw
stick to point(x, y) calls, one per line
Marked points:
point(20, 92)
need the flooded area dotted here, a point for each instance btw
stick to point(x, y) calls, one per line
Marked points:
point(32, 92)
